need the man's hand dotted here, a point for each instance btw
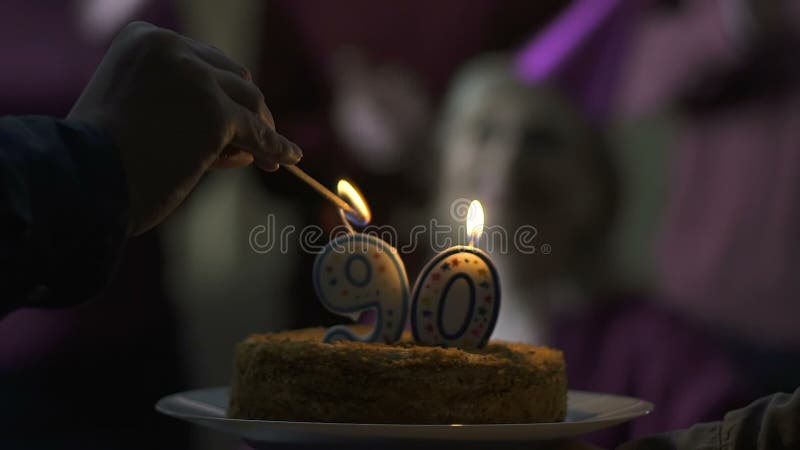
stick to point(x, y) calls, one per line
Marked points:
point(174, 108)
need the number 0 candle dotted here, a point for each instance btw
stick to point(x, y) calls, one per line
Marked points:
point(456, 298)
point(356, 272)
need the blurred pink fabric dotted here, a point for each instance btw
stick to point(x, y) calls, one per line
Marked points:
point(729, 248)
point(730, 251)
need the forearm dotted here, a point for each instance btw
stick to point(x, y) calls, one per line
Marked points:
point(63, 212)
point(769, 423)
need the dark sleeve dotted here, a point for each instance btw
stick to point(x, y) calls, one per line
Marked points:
point(63, 211)
point(769, 423)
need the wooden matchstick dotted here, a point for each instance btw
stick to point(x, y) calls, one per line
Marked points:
point(319, 187)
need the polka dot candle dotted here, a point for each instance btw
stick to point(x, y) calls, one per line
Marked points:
point(456, 299)
point(356, 272)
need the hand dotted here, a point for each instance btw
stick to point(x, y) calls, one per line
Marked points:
point(174, 108)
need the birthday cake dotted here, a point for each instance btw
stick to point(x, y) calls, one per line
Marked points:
point(295, 376)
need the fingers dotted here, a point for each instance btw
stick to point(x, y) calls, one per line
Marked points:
point(232, 158)
point(244, 93)
point(216, 58)
point(267, 147)
point(279, 149)
point(254, 138)
point(241, 83)
point(276, 150)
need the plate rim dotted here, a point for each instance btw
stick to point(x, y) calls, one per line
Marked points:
point(638, 408)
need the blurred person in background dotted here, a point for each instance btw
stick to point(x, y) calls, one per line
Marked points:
point(529, 156)
point(726, 70)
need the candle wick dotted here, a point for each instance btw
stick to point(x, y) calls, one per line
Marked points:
point(345, 221)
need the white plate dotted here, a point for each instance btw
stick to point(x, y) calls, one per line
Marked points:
point(586, 412)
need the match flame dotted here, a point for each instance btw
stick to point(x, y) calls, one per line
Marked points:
point(475, 220)
point(354, 198)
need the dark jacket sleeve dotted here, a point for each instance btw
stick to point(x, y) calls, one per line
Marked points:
point(63, 211)
point(769, 423)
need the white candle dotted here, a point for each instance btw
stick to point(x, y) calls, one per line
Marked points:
point(456, 299)
point(356, 272)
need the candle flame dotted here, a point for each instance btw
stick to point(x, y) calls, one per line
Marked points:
point(353, 197)
point(475, 220)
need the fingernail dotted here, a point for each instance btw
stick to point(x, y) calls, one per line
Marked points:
point(295, 152)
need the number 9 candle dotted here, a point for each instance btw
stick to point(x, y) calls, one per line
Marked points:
point(456, 298)
point(356, 272)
